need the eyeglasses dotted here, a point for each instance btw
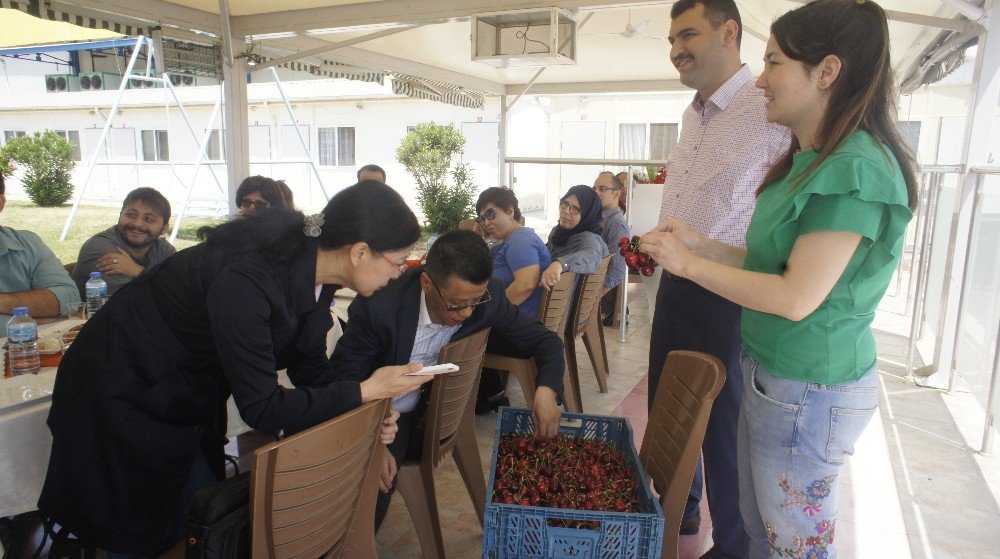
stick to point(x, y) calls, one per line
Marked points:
point(456, 308)
point(489, 214)
point(258, 204)
point(602, 189)
point(573, 210)
point(399, 267)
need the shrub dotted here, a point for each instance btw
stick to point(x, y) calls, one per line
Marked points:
point(47, 161)
point(427, 152)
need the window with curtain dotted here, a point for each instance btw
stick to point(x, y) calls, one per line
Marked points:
point(73, 137)
point(632, 141)
point(155, 145)
point(214, 150)
point(336, 146)
point(910, 131)
point(662, 139)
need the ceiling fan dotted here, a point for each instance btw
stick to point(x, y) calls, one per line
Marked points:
point(632, 31)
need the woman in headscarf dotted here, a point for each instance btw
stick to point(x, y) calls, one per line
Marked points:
point(575, 243)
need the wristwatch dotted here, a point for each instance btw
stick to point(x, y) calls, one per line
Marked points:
point(565, 266)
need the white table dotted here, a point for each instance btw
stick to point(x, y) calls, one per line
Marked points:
point(25, 440)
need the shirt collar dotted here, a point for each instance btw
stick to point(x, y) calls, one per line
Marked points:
point(9, 240)
point(425, 317)
point(727, 91)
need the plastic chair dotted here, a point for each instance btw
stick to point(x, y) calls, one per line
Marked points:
point(585, 322)
point(450, 428)
point(674, 433)
point(313, 494)
point(553, 312)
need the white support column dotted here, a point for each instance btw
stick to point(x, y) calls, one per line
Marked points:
point(982, 105)
point(502, 143)
point(237, 121)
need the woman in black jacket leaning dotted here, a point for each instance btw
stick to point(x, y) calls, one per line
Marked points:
point(138, 412)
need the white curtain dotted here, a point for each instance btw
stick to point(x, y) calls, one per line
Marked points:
point(632, 141)
point(662, 139)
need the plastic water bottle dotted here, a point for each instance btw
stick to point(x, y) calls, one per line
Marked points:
point(97, 293)
point(430, 241)
point(22, 341)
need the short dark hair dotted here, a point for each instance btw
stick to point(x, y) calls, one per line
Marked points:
point(459, 253)
point(275, 192)
point(615, 181)
point(374, 168)
point(717, 12)
point(152, 198)
point(501, 197)
point(3, 187)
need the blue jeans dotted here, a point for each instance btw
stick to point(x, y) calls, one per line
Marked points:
point(793, 439)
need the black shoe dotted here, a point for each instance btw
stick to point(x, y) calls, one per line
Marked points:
point(690, 526)
point(484, 407)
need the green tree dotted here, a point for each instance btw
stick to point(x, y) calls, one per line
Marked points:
point(427, 152)
point(47, 160)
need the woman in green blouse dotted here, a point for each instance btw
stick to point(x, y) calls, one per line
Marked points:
point(822, 245)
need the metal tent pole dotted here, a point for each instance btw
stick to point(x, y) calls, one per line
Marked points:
point(197, 166)
point(298, 132)
point(92, 163)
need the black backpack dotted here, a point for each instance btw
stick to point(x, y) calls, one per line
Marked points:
point(219, 521)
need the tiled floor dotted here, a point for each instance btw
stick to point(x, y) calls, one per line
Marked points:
point(915, 487)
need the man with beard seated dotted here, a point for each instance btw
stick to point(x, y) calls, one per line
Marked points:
point(125, 250)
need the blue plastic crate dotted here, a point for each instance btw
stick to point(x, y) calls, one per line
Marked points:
point(523, 532)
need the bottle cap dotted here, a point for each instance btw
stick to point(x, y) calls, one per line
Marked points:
point(95, 275)
point(20, 311)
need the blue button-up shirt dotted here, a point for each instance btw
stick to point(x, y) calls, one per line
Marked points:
point(615, 227)
point(27, 264)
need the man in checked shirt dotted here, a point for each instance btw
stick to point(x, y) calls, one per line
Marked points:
point(725, 149)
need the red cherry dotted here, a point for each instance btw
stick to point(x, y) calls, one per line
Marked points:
point(623, 241)
point(623, 250)
point(643, 259)
point(647, 270)
point(631, 259)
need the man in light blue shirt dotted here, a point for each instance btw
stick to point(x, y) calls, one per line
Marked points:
point(32, 275)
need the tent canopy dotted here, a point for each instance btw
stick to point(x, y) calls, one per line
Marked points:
point(438, 48)
point(18, 29)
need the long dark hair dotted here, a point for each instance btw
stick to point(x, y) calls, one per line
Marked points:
point(863, 95)
point(369, 212)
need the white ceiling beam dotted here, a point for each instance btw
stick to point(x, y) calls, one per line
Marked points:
point(151, 12)
point(367, 59)
point(634, 86)
point(330, 47)
point(404, 11)
point(921, 19)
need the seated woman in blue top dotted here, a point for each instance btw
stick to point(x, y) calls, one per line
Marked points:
point(521, 255)
point(575, 243)
point(518, 261)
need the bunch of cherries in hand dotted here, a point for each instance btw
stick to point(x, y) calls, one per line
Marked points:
point(636, 260)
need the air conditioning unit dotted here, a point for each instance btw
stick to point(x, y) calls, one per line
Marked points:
point(183, 80)
point(530, 37)
point(100, 81)
point(134, 83)
point(57, 83)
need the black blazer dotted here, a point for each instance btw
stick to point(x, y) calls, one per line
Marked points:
point(381, 330)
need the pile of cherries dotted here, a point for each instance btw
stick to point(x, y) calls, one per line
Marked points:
point(636, 260)
point(563, 472)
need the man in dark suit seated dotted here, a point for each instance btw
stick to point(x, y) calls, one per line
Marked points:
point(411, 319)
